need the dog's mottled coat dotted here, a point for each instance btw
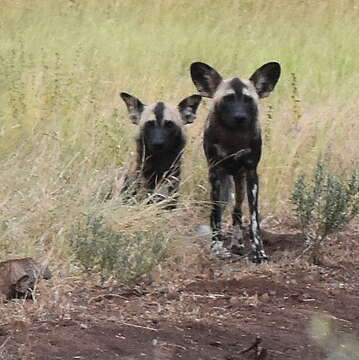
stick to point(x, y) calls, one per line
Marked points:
point(232, 144)
point(160, 142)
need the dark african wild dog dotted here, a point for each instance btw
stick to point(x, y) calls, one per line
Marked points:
point(160, 142)
point(232, 144)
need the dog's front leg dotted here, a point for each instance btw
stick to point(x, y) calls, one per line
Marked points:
point(219, 182)
point(237, 246)
point(259, 254)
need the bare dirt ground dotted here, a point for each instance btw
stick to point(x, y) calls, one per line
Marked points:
point(216, 311)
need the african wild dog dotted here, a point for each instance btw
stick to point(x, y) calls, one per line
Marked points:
point(160, 141)
point(232, 144)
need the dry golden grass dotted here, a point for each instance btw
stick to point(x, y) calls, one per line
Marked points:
point(64, 131)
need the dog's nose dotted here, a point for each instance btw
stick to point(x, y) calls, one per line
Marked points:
point(240, 117)
point(158, 145)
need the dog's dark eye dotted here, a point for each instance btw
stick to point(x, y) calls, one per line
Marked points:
point(150, 123)
point(229, 98)
point(169, 124)
point(247, 99)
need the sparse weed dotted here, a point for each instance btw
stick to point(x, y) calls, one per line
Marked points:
point(296, 110)
point(119, 254)
point(268, 124)
point(324, 204)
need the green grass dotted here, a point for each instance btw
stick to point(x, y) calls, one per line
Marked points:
point(63, 127)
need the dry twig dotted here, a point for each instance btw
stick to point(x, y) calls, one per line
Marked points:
point(138, 326)
point(106, 296)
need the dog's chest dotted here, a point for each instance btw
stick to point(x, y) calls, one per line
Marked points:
point(232, 151)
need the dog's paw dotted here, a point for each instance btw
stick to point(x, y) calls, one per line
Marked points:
point(259, 257)
point(218, 250)
point(237, 250)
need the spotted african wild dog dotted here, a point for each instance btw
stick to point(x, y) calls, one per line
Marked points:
point(160, 141)
point(232, 144)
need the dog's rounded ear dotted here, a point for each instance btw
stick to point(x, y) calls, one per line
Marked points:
point(134, 107)
point(205, 78)
point(265, 78)
point(188, 107)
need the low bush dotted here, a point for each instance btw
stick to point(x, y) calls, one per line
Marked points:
point(324, 204)
point(121, 255)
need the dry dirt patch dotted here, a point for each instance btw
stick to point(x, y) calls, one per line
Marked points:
point(213, 314)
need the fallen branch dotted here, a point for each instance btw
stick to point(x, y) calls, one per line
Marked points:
point(262, 354)
point(257, 341)
point(209, 296)
point(174, 345)
point(259, 354)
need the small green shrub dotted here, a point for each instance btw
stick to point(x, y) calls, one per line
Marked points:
point(323, 204)
point(101, 249)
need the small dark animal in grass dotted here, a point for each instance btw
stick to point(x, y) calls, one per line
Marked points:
point(232, 144)
point(160, 142)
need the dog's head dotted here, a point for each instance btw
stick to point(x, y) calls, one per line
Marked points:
point(161, 124)
point(235, 99)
